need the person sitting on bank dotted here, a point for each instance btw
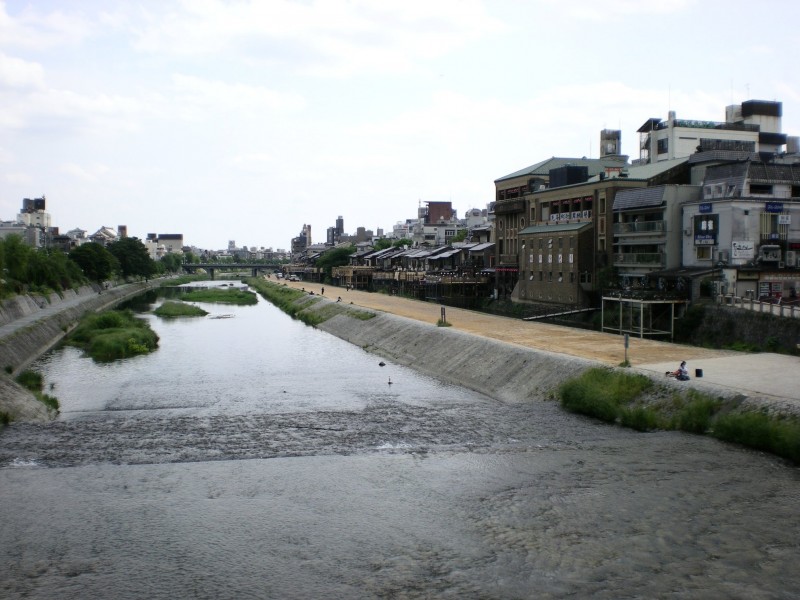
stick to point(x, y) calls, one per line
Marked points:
point(683, 372)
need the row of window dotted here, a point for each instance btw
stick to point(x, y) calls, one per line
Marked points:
point(551, 258)
point(583, 277)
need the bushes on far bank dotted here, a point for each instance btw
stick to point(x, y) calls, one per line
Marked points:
point(112, 335)
point(618, 397)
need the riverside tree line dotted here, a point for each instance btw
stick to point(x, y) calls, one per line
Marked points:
point(45, 270)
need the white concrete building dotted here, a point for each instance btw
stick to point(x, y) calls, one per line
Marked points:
point(753, 126)
point(747, 225)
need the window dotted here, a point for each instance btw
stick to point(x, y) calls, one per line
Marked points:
point(703, 252)
point(760, 188)
point(550, 276)
point(571, 277)
point(663, 145)
point(541, 275)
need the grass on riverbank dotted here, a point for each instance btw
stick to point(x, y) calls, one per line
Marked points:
point(629, 400)
point(297, 303)
point(171, 309)
point(112, 335)
point(33, 382)
point(219, 296)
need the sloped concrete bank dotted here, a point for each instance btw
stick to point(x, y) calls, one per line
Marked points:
point(505, 371)
point(502, 371)
point(41, 325)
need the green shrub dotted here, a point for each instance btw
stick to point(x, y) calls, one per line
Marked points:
point(696, 415)
point(113, 335)
point(48, 401)
point(171, 309)
point(601, 393)
point(640, 418)
point(31, 381)
point(5, 418)
point(229, 296)
point(760, 431)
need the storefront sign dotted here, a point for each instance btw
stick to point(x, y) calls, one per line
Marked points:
point(774, 207)
point(705, 230)
point(743, 250)
point(705, 208)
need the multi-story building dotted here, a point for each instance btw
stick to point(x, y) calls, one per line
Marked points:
point(571, 250)
point(514, 209)
point(753, 126)
point(646, 229)
point(746, 226)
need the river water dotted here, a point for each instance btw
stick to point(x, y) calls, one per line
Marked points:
point(252, 456)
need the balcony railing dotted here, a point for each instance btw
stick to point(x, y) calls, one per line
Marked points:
point(648, 259)
point(640, 227)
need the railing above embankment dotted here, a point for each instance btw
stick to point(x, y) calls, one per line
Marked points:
point(776, 308)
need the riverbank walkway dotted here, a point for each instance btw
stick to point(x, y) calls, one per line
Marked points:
point(764, 374)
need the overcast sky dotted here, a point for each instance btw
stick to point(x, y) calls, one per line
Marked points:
point(243, 120)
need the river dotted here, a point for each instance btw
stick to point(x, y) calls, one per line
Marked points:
point(252, 456)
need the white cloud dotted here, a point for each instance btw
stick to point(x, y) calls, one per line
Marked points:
point(17, 178)
point(610, 10)
point(87, 173)
point(196, 97)
point(34, 29)
point(19, 73)
point(331, 37)
point(251, 163)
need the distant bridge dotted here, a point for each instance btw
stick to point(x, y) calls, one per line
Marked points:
point(212, 268)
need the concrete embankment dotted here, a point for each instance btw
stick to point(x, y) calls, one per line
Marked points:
point(503, 371)
point(31, 325)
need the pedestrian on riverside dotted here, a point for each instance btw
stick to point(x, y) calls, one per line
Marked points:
point(323, 291)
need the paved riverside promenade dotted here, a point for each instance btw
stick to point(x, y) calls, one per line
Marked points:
point(773, 377)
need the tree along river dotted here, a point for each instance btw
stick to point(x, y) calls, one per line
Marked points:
point(252, 456)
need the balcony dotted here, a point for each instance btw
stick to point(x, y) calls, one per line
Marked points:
point(640, 259)
point(632, 227)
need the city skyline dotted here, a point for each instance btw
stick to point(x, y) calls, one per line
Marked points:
point(246, 120)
